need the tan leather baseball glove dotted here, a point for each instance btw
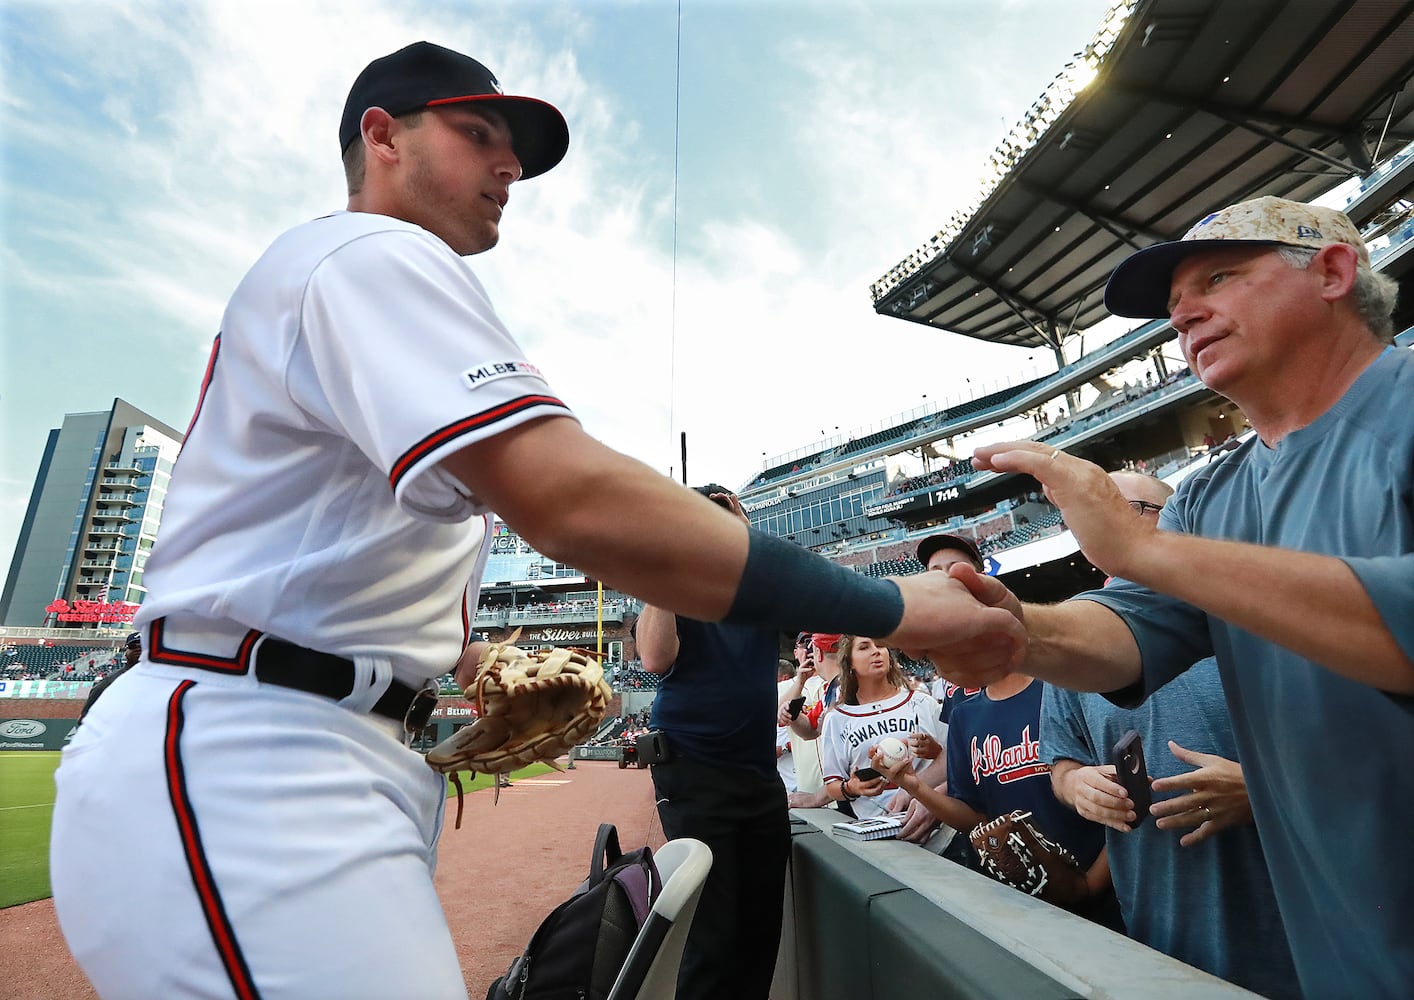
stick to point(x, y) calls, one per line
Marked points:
point(531, 706)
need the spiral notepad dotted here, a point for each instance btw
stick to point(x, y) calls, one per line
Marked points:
point(878, 828)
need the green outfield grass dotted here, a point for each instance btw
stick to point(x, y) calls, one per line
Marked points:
point(473, 782)
point(27, 806)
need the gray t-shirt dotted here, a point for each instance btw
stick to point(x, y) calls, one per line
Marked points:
point(1326, 758)
point(1162, 886)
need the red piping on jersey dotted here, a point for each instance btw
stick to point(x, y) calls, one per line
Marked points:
point(475, 422)
point(844, 709)
point(159, 652)
point(466, 617)
point(222, 934)
point(205, 384)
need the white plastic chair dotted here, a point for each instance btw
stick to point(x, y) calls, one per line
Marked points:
point(651, 970)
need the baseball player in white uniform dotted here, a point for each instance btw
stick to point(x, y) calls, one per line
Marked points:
point(239, 815)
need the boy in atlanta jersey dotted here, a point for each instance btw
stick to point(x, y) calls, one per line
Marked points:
point(995, 767)
point(363, 413)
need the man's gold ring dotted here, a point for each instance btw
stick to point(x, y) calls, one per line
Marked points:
point(1207, 813)
point(1054, 453)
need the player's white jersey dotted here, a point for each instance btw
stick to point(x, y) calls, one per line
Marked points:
point(309, 476)
point(850, 730)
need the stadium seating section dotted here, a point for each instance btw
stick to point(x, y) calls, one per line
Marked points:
point(57, 661)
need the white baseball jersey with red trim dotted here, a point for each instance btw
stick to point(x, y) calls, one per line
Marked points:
point(275, 843)
point(307, 501)
point(850, 730)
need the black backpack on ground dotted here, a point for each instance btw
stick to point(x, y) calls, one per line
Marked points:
point(577, 951)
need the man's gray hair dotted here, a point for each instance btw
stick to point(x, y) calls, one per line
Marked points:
point(1374, 293)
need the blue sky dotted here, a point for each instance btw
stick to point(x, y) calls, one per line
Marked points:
point(151, 150)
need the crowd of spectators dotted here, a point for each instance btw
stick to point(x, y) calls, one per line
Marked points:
point(992, 753)
point(622, 730)
point(961, 469)
point(958, 468)
point(51, 661)
point(632, 677)
point(571, 606)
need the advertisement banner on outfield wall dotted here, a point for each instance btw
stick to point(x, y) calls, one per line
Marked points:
point(45, 689)
point(36, 734)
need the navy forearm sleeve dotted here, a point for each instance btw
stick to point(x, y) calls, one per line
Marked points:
point(791, 588)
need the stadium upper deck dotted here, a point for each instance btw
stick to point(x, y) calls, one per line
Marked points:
point(1175, 108)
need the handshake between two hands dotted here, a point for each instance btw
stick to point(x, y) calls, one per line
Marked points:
point(970, 626)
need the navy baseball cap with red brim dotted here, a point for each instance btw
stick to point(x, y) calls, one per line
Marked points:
point(423, 75)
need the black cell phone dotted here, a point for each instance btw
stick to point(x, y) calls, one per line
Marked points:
point(1128, 760)
point(794, 706)
point(867, 774)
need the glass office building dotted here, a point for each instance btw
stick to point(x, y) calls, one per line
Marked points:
point(92, 517)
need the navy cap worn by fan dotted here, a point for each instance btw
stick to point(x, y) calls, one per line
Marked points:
point(423, 75)
point(936, 543)
point(133, 639)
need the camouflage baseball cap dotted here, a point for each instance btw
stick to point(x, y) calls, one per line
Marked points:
point(1139, 287)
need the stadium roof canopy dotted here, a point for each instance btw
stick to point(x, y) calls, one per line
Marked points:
point(1193, 105)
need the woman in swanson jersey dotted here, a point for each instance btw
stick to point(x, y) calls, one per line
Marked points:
point(875, 701)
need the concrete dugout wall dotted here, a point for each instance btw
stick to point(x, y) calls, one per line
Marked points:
point(885, 919)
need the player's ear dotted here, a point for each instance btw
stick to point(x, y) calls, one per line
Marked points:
point(377, 129)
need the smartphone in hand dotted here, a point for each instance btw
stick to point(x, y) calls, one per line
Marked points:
point(794, 706)
point(867, 774)
point(1133, 773)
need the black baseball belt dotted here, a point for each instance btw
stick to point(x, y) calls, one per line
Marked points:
point(288, 665)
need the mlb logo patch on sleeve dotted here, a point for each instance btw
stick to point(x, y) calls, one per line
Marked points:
point(490, 372)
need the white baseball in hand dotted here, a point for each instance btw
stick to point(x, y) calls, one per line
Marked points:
point(892, 752)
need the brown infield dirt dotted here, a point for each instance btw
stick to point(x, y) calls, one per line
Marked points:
point(498, 876)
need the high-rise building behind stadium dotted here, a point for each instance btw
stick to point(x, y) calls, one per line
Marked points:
point(92, 517)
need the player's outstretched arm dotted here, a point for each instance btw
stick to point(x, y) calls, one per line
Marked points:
point(587, 505)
